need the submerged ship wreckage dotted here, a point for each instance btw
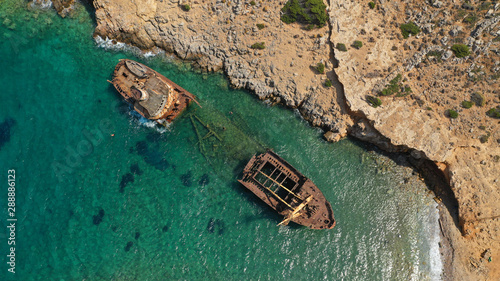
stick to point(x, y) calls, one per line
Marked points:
point(153, 95)
point(287, 191)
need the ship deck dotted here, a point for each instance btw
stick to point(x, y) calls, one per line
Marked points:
point(287, 191)
point(163, 104)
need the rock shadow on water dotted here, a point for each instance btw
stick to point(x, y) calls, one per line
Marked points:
point(204, 180)
point(187, 179)
point(151, 156)
point(97, 219)
point(216, 225)
point(126, 179)
point(5, 131)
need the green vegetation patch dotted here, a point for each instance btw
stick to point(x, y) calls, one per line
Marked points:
point(478, 98)
point(493, 112)
point(484, 138)
point(460, 14)
point(460, 50)
point(371, 5)
point(341, 47)
point(320, 67)
point(496, 158)
point(435, 54)
point(393, 86)
point(305, 12)
point(407, 90)
point(328, 83)
point(253, 3)
point(258, 45)
point(409, 28)
point(485, 6)
point(310, 26)
point(471, 19)
point(261, 26)
point(467, 104)
point(451, 113)
point(357, 44)
point(373, 101)
point(186, 7)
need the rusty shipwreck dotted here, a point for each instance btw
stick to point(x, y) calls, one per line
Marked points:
point(287, 191)
point(151, 94)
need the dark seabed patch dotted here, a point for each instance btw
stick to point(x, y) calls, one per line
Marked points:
point(204, 180)
point(137, 235)
point(152, 156)
point(134, 169)
point(222, 227)
point(187, 179)
point(162, 164)
point(153, 137)
point(5, 128)
point(141, 147)
point(129, 245)
point(128, 177)
point(97, 219)
point(165, 228)
point(114, 228)
point(215, 224)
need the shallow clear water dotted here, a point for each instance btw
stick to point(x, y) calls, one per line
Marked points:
point(146, 204)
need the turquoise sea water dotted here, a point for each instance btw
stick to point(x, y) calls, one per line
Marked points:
point(146, 204)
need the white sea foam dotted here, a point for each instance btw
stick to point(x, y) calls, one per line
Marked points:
point(141, 121)
point(155, 52)
point(41, 4)
point(110, 44)
point(436, 264)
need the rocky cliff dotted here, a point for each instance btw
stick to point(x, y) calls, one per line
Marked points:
point(434, 99)
point(432, 80)
point(218, 35)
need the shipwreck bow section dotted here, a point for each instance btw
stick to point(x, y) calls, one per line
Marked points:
point(153, 95)
point(287, 191)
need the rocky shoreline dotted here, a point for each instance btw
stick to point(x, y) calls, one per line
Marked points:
point(218, 36)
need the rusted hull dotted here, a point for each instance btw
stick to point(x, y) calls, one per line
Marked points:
point(172, 99)
point(287, 191)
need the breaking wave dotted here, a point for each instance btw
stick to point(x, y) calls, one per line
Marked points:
point(436, 264)
point(139, 120)
point(113, 45)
